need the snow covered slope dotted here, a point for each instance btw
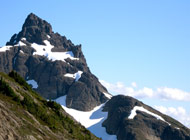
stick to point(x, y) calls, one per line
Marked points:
point(92, 120)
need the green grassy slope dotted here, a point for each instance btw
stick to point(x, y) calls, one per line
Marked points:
point(32, 117)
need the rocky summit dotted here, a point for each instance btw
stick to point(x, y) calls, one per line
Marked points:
point(57, 69)
point(53, 63)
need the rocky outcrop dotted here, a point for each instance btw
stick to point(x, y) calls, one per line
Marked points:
point(83, 94)
point(144, 126)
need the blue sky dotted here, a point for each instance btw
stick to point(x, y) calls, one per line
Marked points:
point(124, 41)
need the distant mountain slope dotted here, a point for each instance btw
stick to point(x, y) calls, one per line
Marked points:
point(54, 63)
point(24, 115)
point(130, 119)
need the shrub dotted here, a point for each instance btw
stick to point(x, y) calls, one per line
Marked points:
point(7, 90)
point(53, 105)
point(19, 79)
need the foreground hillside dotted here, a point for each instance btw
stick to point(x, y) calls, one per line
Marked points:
point(27, 116)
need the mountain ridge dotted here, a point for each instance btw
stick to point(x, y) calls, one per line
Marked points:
point(126, 122)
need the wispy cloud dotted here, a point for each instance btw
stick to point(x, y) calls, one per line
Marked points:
point(120, 88)
point(178, 113)
point(134, 84)
point(163, 93)
point(172, 94)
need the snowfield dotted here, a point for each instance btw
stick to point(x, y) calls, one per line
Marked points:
point(45, 50)
point(92, 120)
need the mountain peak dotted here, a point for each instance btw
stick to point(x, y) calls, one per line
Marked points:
point(33, 21)
point(34, 29)
point(57, 63)
point(32, 15)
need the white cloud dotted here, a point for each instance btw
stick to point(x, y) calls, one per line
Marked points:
point(178, 113)
point(163, 93)
point(120, 88)
point(173, 94)
point(144, 92)
point(134, 84)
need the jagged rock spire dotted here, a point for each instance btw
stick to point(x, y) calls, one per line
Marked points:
point(33, 21)
point(34, 29)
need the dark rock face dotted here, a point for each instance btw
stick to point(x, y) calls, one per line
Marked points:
point(34, 29)
point(88, 89)
point(83, 95)
point(143, 126)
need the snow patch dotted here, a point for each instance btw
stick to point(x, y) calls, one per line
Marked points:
point(140, 108)
point(92, 120)
point(23, 39)
point(20, 43)
point(45, 50)
point(21, 51)
point(48, 36)
point(177, 128)
point(75, 76)
point(69, 63)
point(5, 48)
point(107, 95)
point(33, 83)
